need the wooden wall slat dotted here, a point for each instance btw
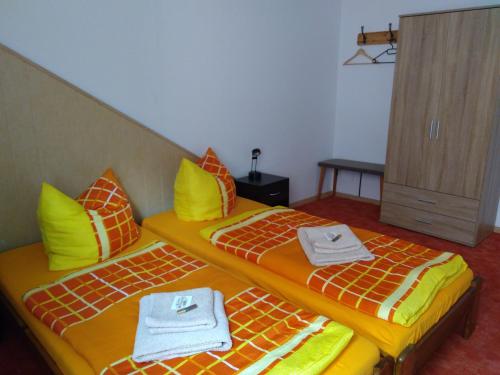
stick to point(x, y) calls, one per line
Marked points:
point(52, 131)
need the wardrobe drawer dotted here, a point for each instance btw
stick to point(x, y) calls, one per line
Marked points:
point(430, 223)
point(444, 204)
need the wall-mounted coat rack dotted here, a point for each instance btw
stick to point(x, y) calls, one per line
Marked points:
point(375, 38)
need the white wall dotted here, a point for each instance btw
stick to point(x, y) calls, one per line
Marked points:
point(229, 74)
point(364, 91)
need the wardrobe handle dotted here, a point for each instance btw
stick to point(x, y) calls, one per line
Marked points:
point(437, 129)
point(423, 221)
point(431, 129)
point(274, 194)
point(426, 201)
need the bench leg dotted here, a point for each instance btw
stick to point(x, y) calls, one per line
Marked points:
point(321, 181)
point(335, 178)
point(381, 187)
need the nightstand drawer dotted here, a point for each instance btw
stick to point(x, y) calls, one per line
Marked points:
point(277, 196)
point(277, 189)
point(270, 190)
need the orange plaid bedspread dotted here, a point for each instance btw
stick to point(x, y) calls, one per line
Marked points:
point(253, 236)
point(397, 286)
point(259, 323)
point(85, 294)
point(266, 331)
point(379, 287)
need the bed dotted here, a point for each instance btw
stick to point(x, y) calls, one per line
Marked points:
point(25, 268)
point(454, 307)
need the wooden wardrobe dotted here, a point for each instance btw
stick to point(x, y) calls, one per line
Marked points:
point(442, 173)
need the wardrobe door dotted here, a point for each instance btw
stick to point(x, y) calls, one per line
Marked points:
point(415, 100)
point(467, 104)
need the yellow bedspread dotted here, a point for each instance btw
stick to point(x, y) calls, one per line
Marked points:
point(289, 258)
point(26, 268)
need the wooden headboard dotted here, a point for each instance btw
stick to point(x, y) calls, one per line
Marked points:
point(52, 131)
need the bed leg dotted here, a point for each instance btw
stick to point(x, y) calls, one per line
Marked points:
point(384, 367)
point(406, 362)
point(470, 319)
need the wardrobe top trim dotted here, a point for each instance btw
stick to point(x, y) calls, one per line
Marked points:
point(451, 10)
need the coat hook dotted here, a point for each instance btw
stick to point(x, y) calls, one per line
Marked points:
point(391, 40)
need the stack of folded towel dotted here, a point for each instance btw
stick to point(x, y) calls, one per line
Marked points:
point(181, 324)
point(337, 244)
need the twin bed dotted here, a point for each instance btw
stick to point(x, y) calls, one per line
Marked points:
point(88, 347)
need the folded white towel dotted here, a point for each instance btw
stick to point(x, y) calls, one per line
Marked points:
point(321, 238)
point(163, 316)
point(334, 257)
point(150, 347)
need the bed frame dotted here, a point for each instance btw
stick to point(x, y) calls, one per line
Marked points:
point(461, 318)
point(20, 322)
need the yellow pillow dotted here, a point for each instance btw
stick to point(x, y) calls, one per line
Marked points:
point(196, 194)
point(60, 218)
point(95, 227)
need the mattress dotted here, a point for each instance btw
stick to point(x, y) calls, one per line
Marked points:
point(25, 268)
point(389, 337)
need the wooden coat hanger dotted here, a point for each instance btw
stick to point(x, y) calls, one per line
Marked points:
point(359, 52)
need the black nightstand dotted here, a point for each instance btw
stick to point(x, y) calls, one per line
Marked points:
point(269, 189)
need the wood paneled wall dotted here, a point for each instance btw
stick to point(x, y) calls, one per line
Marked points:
point(52, 131)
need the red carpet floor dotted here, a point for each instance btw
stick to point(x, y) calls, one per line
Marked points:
point(478, 355)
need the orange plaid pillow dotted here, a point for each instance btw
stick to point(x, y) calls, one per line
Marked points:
point(211, 163)
point(97, 225)
point(110, 214)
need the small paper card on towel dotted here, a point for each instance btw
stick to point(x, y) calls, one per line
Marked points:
point(165, 316)
point(181, 302)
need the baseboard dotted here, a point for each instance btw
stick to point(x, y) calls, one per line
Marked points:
point(310, 199)
point(340, 195)
point(360, 199)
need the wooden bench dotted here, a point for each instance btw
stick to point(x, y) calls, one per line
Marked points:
point(349, 165)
